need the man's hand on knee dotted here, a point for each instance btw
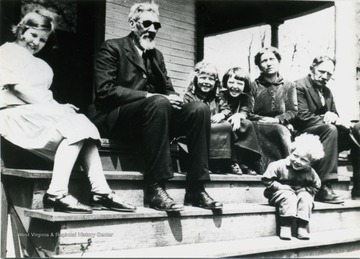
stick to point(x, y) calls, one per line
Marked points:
point(330, 118)
point(176, 101)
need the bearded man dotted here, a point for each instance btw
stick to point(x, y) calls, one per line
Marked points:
point(135, 100)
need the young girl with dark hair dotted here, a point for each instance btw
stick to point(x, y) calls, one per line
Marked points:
point(236, 93)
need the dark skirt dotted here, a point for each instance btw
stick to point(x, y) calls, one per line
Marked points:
point(220, 140)
point(241, 146)
point(246, 148)
point(274, 140)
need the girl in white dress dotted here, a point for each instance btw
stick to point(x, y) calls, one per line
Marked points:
point(32, 119)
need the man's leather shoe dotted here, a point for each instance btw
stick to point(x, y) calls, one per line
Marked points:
point(327, 195)
point(65, 203)
point(110, 201)
point(157, 198)
point(354, 134)
point(200, 198)
point(355, 194)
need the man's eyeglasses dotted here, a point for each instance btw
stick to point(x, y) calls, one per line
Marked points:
point(148, 23)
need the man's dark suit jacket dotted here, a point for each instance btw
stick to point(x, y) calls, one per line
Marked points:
point(309, 104)
point(120, 78)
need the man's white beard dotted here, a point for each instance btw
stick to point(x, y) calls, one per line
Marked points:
point(147, 43)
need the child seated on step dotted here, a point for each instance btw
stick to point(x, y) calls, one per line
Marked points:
point(291, 184)
point(235, 93)
point(204, 87)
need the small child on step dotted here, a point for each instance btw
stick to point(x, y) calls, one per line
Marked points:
point(291, 185)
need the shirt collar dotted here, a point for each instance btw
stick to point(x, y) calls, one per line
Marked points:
point(279, 80)
point(140, 51)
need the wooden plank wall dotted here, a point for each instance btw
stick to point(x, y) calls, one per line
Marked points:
point(176, 38)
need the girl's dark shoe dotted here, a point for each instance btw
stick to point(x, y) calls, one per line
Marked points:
point(65, 203)
point(246, 170)
point(200, 198)
point(235, 169)
point(110, 201)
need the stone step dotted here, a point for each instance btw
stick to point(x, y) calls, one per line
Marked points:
point(148, 228)
point(225, 188)
point(328, 244)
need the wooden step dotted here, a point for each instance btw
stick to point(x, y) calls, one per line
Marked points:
point(150, 228)
point(130, 156)
point(325, 243)
point(237, 221)
point(225, 188)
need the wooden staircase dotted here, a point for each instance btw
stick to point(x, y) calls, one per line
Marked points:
point(245, 227)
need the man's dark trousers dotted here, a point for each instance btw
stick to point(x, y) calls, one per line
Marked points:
point(335, 139)
point(155, 122)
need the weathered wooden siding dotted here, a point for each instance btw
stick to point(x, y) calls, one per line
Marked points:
point(176, 38)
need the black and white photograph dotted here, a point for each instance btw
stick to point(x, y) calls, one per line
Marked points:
point(180, 128)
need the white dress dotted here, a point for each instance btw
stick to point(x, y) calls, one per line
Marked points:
point(29, 116)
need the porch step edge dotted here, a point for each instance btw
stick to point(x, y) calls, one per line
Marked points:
point(136, 175)
point(245, 208)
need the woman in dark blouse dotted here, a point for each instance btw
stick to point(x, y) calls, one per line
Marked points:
point(273, 107)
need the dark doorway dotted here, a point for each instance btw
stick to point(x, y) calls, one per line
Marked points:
point(72, 59)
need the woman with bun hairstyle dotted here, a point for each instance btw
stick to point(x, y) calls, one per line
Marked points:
point(273, 107)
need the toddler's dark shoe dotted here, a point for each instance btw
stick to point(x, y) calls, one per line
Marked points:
point(285, 228)
point(65, 203)
point(285, 232)
point(110, 201)
point(303, 233)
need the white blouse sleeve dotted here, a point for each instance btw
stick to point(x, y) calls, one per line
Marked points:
point(35, 84)
point(29, 77)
